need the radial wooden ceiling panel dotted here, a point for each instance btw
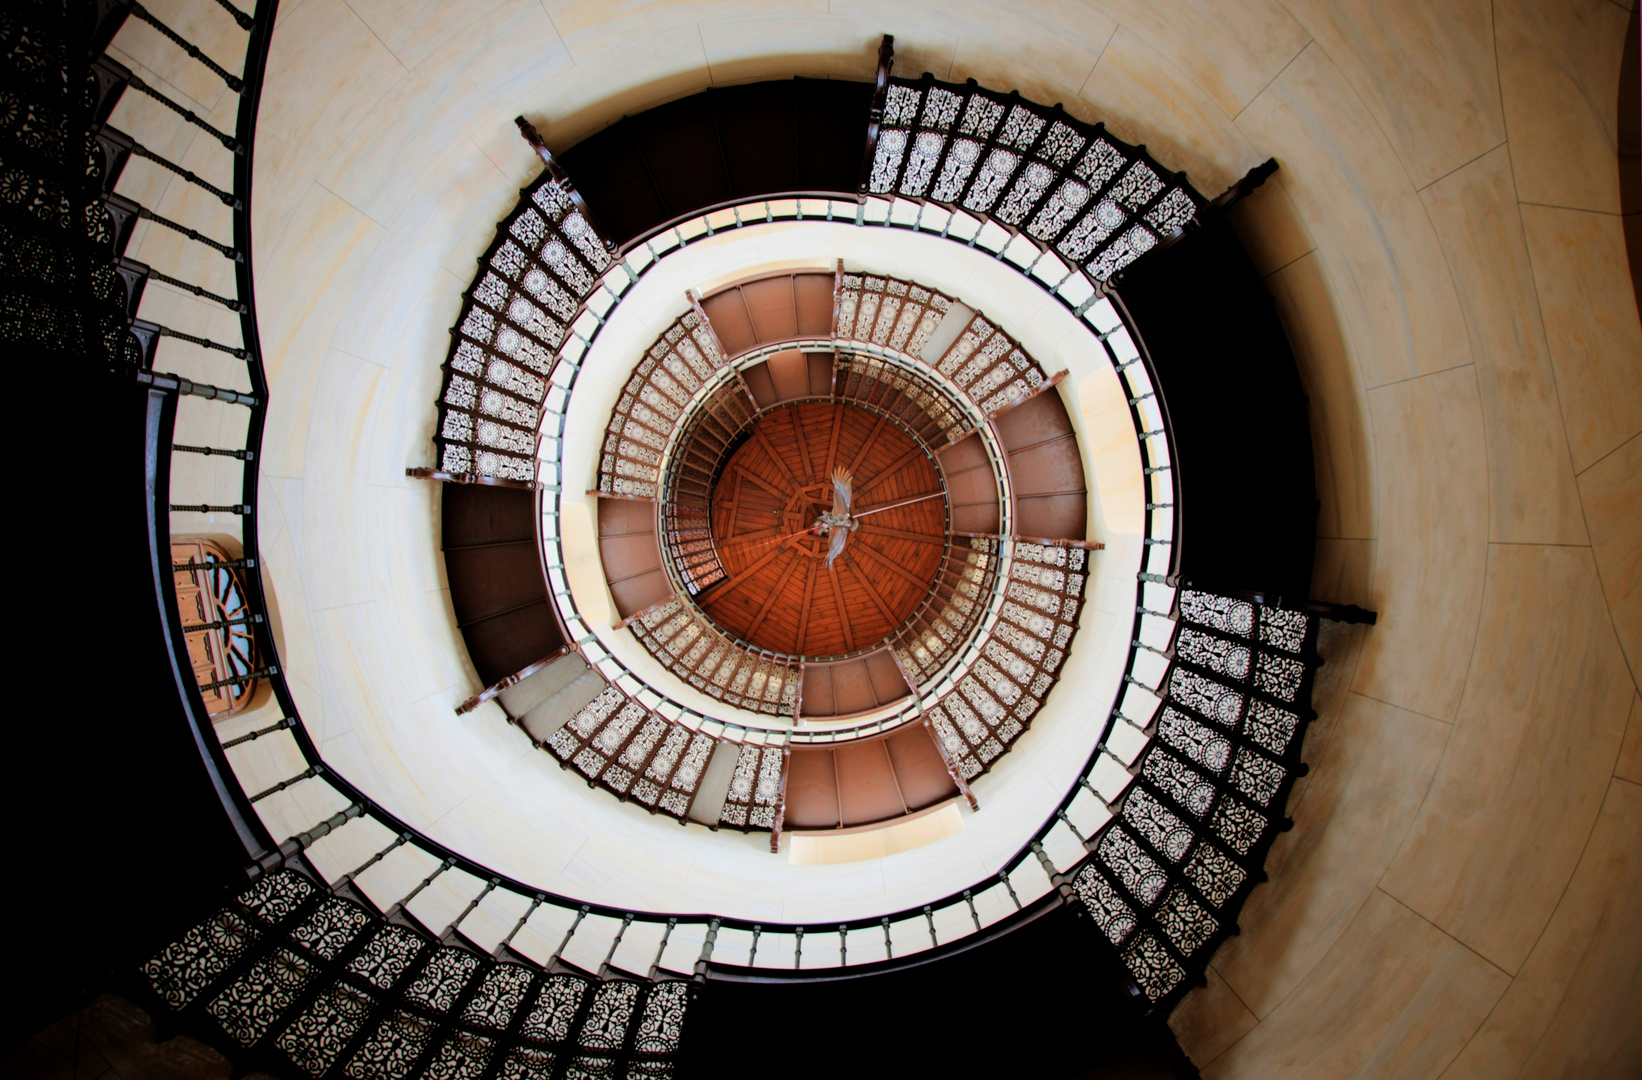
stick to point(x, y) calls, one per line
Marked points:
point(778, 593)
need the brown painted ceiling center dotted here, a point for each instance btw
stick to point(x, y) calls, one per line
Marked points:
point(778, 593)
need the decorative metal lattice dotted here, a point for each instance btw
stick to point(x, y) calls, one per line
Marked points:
point(652, 403)
point(932, 638)
point(997, 697)
point(709, 433)
point(917, 402)
point(618, 743)
point(755, 788)
point(61, 298)
point(986, 364)
point(1097, 201)
point(691, 647)
point(315, 981)
point(1188, 836)
point(900, 315)
point(544, 263)
point(990, 367)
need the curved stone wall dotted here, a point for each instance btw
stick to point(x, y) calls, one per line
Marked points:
point(1461, 888)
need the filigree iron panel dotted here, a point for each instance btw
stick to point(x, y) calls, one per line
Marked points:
point(1188, 836)
point(318, 983)
point(755, 787)
point(633, 751)
point(545, 262)
point(988, 365)
point(1020, 659)
point(1073, 188)
point(692, 647)
point(938, 631)
point(685, 357)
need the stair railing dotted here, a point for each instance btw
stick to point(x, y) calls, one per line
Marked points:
point(1048, 870)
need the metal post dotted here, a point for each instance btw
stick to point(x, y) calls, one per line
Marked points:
point(306, 774)
point(370, 862)
point(655, 967)
point(299, 843)
point(400, 906)
point(604, 968)
point(451, 929)
point(505, 942)
point(580, 915)
point(707, 944)
point(288, 722)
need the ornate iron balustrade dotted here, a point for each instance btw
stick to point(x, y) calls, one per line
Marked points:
point(937, 634)
point(257, 953)
point(691, 646)
point(1020, 658)
point(679, 415)
point(986, 364)
point(1190, 832)
point(535, 280)
point(298, 974)
point(634, 751)
point(1095, 200)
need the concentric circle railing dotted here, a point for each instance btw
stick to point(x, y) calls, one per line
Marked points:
point(1160, 836)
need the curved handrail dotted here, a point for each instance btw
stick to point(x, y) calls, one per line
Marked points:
point(266, 854)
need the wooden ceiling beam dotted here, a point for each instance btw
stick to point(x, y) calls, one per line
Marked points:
point(768, 447)
point(803, 444)
point(735, 507)
point(872, 439)
point(735, 542)
point(884, 474)
point(720, 591)
point(832, 444)
point(843, 611)
point(868, 584)
point(893, 567)
point(804, 612)
point(760, 481)
point(898, 534)
point(769, 601)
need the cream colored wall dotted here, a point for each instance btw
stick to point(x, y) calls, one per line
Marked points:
point(1460, 893)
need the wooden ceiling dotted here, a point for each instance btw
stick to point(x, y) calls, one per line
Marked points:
point(778, 593)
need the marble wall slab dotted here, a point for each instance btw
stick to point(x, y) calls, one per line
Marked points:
point(1396, 295)
point(1611, 491)
point(1533, 747)
point(1433, 504)
point(1572, 1009)
point(1532, 497)
point(1395, 996)
point(1580, 270)
point(1425, 71)
point(1559, 84)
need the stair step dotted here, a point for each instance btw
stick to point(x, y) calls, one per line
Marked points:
point(715, 784)
point(548, 717)
point(520, 699)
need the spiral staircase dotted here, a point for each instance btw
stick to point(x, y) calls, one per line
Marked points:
point(1142, 866)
